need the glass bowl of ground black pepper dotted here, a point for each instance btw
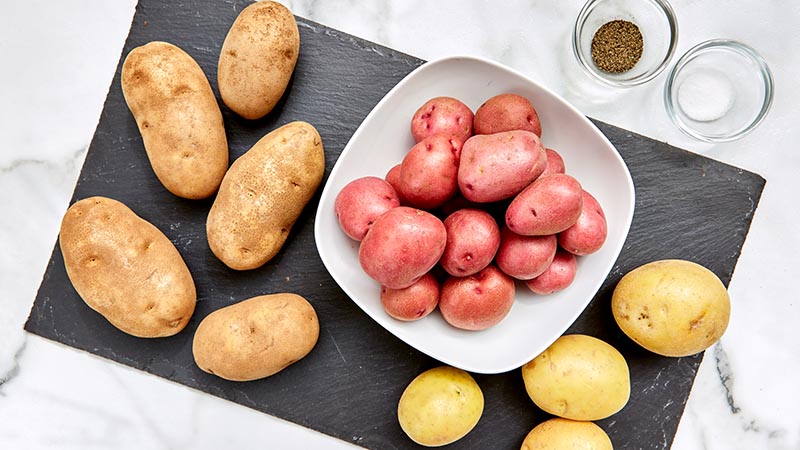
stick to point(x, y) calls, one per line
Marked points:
point(625, 42)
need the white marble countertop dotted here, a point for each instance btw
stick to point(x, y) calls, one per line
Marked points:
point(58, 61)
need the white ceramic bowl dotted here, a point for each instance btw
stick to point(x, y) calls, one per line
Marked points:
point(382, 140)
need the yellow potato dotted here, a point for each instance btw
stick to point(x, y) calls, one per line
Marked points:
point(257, 59)
point(263, 193)
point(124, 268)
point(440, 406)
point(578, 377)
point(564, 434)
point(256, 338)
point(178, 117)
point(672, 307)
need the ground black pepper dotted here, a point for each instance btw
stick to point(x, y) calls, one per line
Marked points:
point(617, 46)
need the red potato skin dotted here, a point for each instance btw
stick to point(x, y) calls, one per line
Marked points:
point(558, 275)
point(429, 171)
point(506, 112)
point(402, 245)
point(549, 205)
point(589, 233)
point(525, 257)
point(442, 115)
point(472, 241)
point(393, 177)
point(498, 166)
point(555, 163)
point(413, 302)
point(478, 301)
point(362, 201)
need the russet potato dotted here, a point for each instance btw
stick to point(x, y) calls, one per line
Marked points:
point(257, 337)
point(258, 58)
point(126, 269)
point(263, 194)
point(178, 117)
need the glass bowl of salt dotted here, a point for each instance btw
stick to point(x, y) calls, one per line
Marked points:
point(719, 91)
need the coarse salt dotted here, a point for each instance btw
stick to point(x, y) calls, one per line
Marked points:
point(706, 96)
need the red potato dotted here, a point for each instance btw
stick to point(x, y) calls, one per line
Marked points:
point(589, 232)
point(393, 177)
point(506, 112)
point(555, 163)
point(472, 241)
point(478, 301)
point(558, 275)
point(429, 172)
point(442, 115)
point(498, 166)
point(525, 257)
point(549, 205)
point(413, 302)
point(402, 245)
point(360, 202)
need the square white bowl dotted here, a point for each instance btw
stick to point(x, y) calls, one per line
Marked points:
point(383, 139)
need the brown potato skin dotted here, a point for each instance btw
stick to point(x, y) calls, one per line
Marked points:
point(263, 194)
point(506, 112)
point(126, 269)
point(178, 117)
point(257, 337)
point(258, 58)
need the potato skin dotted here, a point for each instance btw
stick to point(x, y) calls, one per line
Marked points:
point(413, 302)
point(557, 276)
point(401, 246)
point(560, 434)
point(479, 301)
point(442, 115)
point(578, 377)
point(178, 117)
point(507, 112)
point(549, 205)
point(672, 307)
point(362, 201)
point(126, 269)
point(525, 257)
point(472, 241)
point(555, 163)
point(263, 194)
point(440, 406)
point(258, 58)
point(589, 232)
point(498, 166)
point(257, 337)
point(429, 171)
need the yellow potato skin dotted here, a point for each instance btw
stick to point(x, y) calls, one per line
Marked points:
point(578, 377)
point(263, 194)
point(258, 58)
point(257, 337)
point(672, 307)
point(564, 434)
point(126, 269)
point(440, 406)
point(178, 117)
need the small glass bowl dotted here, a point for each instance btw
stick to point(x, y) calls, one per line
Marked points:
point(657, 23)
point(719, 91)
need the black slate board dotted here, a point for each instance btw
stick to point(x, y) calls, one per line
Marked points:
point(687, 207)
